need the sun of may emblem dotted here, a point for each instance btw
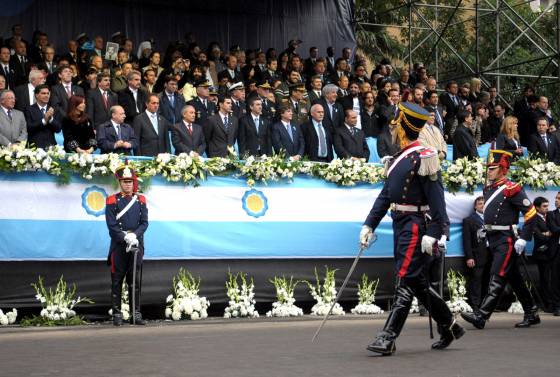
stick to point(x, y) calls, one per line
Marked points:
point(93, 200)
point(255, 203)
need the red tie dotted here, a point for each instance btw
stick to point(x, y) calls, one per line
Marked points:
point(68, 91)
point(189, 127)
point(105, 100)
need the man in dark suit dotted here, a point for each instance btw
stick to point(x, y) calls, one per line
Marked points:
point(476, 252)
point(171, 103)
point(433, 104)
point(115, 136)
point(449, 100)
point(270, 73)
point(314, 92)
point(63, 91)
point(385, 144)
point(542, 251)
point(230, 74)
point(254, 137)
point(286, 136)
point(188, 136)
point(99, 101)
point(42, 120)
point(20, 63)
point(544, 144)
point(220, 129)
point(334, 113)
point(133, 98)
point(349, 141)
point(553, 222)
point(25, 93)
point(203, 106)
point(309, 63)
point(151, 130)
point(464, 144)
point(237, 93)
point(6, 70)
point(318, 142)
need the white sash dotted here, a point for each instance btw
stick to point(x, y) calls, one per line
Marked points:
point(128, 206)
point(403, 155)
point(494, 195)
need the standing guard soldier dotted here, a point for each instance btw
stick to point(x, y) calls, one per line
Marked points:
point(503, 202)
point(126, 214)
point(412, 189)
point(300, 106)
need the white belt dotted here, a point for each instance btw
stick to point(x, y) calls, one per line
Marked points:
point(409, 208)
point(500, 227)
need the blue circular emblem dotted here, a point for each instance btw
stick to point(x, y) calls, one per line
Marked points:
point(255, 203)
point(93, 200)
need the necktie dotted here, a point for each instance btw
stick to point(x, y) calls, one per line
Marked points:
point(105, 99)
point(10, 114)
point(296, 107)
point(189, 128)
point(545, 141)
point(205, 105)
point(6, 70)
point(289, 128)
point(322, 143)
point(68, 91)
point(226, 123)
point(155, 123)
point(119, 135)
point(43, 111)
point(172, 101)
point(257, 124)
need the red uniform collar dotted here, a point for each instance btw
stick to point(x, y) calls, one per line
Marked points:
point(411, 145)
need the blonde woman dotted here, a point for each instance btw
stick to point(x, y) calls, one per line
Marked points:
point(476, 87)
point(508, 139)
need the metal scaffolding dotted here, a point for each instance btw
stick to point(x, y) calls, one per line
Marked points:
point(424, 20)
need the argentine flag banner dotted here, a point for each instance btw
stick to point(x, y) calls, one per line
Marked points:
point(221, 218)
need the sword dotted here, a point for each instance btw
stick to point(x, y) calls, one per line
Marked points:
point(133, 299)
point(362, 249)
point(537, 294)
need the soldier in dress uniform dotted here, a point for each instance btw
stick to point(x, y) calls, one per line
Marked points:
point(237, 94)
point(300, 107)
point(202, 104)
point(126, 214)
point(412, 188)
point(503, 202)
point(268, 106)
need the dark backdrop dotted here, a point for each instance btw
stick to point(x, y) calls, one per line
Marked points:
point(251, 24)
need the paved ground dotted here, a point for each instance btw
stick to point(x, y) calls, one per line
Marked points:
point(277, 348)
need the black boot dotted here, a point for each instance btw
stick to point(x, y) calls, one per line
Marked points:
point(478, 319)
point(530, 318)
point(448, 335)
point(137, 319)
point(384, 343)
point(135, 315)
point(116, 292)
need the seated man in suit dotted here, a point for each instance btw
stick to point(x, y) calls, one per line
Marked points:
point(151, 130)
point(286, 136)
point(220, 129)
point(171, 102)
point(13, 129)
point(350, 141)
point(100, 100)
point(254, 137)
point(64, 90)
point(42, 120)
point(133, 98)
point(544, 144)
point(187, 136)
point(318, 142)
point(115, 136)
point(477, 254)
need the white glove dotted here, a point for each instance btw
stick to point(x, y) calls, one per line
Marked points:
point(428, 244)
point(442, 243)
point(519, 246)
point(130, 238)
point(366, 235)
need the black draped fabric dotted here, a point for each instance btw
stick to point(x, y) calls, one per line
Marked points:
point(251, 24)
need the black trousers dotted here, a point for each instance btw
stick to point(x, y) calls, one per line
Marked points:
point(555, 281)
point(122, 266)
point(477, 283)
point(545, 282)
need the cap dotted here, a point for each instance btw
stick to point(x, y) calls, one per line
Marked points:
point(294, 42)
point(265, 85)
point(412, 118)
point(499, 158)
point(125, 171)
point(237, 85)
point(116, 34)
point(80, 36)
point(202, 83)
point(297, 86)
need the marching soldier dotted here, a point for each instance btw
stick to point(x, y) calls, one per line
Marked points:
point(202, 104)
point(300, 107)
point(503, 202)
point(412, 188)
point(127, 219)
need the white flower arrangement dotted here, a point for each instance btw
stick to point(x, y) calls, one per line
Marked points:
point(267, 168)
point(91, 165)
point(58, 306)
point(8, 318)
point(414, 308)
point(325, 294)
point(241, 297)
point(125, 307)
point(366, 296)
point(19, 159)
point(348, 172)
point(536, 172)
point(184, 302)
point(463, 174)
point(284, 306)
point(458, 292)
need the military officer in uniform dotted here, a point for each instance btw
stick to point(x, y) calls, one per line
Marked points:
point(126, 214)
point(237, 94)
point(300, 107)
point(503, 200)
point(202, 104)
point(412, 188)
point(268, 106)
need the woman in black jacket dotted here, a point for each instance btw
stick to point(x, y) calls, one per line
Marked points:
point(508, 138)
point(78, 131)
